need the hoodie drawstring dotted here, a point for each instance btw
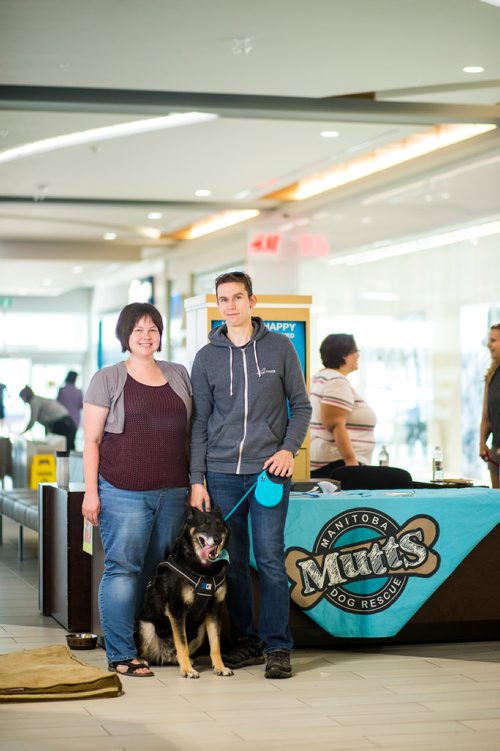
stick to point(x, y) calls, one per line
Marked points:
point(231, 371)
point(256, 359)
point(231, 366)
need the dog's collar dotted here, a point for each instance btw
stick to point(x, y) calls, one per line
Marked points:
point(205, 586)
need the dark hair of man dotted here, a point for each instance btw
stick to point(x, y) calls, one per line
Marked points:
point(235, 276)
point(129, 317)
point(335, 348)
point(71, 376)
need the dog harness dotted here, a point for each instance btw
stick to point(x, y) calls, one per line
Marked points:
point(205, 586)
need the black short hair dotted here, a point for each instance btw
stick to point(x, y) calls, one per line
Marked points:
point(71, 376)
point(235, 276)
point(129, 317)
point(335, 348)
point(26, 394)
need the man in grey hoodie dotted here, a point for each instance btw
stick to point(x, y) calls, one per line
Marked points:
point(251, 412)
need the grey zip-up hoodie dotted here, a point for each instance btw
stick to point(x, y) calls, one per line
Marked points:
point(240, 415)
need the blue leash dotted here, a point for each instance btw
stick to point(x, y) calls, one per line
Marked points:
point(239, 502)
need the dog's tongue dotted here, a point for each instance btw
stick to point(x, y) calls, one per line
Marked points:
point(207, 553)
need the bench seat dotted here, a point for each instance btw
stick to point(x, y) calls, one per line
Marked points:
point(20, 505)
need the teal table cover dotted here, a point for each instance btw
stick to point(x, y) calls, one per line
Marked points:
point(361, 563)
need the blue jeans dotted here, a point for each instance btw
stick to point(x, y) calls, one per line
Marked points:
point(137, 528)
point(268, 525)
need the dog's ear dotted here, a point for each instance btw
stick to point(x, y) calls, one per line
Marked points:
point(218, 512)
point(192, 514)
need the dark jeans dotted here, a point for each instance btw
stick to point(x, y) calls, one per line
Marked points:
point(66, 427)
point(268, 527)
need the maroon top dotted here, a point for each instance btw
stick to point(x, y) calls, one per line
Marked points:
point(151, 452)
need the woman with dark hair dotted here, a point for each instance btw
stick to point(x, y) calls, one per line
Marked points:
point(490, 420)
point(342, 424)
point(136, 424)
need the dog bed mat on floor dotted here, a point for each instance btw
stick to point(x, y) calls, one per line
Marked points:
point(52, 673)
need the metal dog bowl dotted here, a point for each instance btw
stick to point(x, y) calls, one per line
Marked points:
point(81, 641)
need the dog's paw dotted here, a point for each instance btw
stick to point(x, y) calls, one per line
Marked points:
point(191, 673)
point(223, 671)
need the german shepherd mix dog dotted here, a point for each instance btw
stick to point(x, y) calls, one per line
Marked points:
point(183, 602)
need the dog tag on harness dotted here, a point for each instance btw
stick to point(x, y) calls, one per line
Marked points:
point(269, 489)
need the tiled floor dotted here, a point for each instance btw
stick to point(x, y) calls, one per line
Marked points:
point(412, 697)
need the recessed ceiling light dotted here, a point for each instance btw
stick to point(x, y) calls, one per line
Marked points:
point(109, 236)
point(155, 215)
point(203, 192)
point(46, 282)
point(473, 69)
point(329, 133)
point(77, 269)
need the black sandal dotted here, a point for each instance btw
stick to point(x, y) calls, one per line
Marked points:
point(132, 668)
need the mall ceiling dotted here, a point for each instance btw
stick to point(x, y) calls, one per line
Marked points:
point(276, 73)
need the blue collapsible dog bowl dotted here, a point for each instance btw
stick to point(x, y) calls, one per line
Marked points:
point(269, 489)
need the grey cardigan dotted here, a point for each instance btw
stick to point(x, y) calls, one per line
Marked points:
point(106, 390)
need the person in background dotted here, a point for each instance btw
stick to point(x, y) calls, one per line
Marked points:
point(490, 419)
point(3, 389)
point(53, 416)
point(342, 424)
point(136, 418)
point(71, 397)
point(242, 380)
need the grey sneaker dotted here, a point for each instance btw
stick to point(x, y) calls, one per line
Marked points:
point(278, 664)
point(247, 651)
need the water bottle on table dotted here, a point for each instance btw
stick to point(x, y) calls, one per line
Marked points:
point(383, 457)
point(437, 465)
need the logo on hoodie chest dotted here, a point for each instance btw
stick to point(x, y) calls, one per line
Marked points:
point(266, 371)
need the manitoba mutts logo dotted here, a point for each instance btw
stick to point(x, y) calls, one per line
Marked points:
point(362, 560)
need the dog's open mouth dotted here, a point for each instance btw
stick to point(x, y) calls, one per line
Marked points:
point(209, 550)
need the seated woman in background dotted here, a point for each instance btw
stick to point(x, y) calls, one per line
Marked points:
point(490, 420)
point(342, 424)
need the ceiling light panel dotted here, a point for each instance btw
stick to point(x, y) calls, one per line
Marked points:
point(215, 223)
point(383, 252)
point(105, 133)
point(411, 147)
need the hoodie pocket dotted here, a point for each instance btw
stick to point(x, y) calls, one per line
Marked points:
point(225, 442)
point(260, 441)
